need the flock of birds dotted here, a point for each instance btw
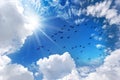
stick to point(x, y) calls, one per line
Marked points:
point(66, 29)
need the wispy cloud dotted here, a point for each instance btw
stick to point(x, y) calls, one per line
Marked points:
point(103, 9)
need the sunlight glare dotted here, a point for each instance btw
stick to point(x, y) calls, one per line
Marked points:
point(34, 22)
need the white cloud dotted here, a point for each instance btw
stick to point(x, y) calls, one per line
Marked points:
point(99, 46)
point(62, 67)
point(10, 71)
point(117, 2)
point(58, 67)
point(71, 76)
point(78, 21)
point(14, 25)
point(4, 60)
point(103, 9)
point(99, 9)
point(15, 71)
point(110, 70)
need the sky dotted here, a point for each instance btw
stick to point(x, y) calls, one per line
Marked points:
point(59, 39)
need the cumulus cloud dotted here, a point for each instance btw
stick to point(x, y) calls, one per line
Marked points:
point(13, 25)
point(74, 75)
point(4, 60)
point(10, 71)
point(110, 70)
point(103, 9)
point(57, 67)
point(62, 67)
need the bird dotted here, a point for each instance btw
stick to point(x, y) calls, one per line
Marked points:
point(75, 31)
point(48, 50)
point(90, 37)
point(77, 58)
point(61, 37)
point(89, 58)
point(89, 43)
point(91, 27)
point(62, 28)
point(85, 23)
point(81, 51)
point(42, 46)
point(55, 33)
point(72, 48)
point(60, 31)
point(80, 45)
point(100, 54)
point(78, 25)
point(52, 36)
point(71, 26)
point(38, 48)
point(68, 30)
point(100, 33)
point(64, 25)
point(75, 46)
point(83, 47)
point(64, 46)
point(95, 27)
point(50, 53)
point(55, 40)
point(68, 37)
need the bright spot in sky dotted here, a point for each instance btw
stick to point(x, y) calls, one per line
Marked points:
point(34, 22)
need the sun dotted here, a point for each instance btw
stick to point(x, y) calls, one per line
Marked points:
point(34, 22)
point(33, 18)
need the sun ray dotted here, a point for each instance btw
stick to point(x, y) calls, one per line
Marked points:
point(48, 37)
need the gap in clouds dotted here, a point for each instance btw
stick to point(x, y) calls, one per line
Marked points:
point(52, 52)
point(46, 47)
point(110, 36)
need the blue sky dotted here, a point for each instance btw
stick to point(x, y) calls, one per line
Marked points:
point(59, 39)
